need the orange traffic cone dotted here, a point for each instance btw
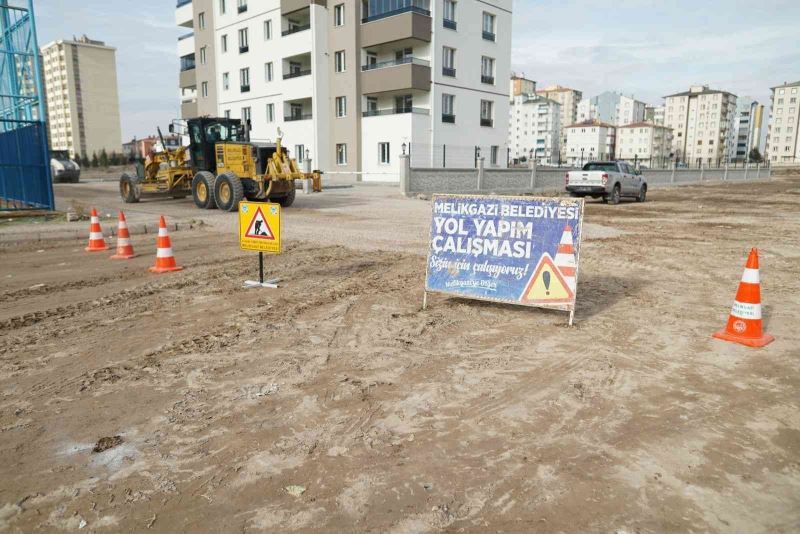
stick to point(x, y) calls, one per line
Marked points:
point(124, 247)
point(744, 322)
point(96, 240)
point(565, 257)
point(165, 261)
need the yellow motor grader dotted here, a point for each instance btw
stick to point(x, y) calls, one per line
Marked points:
point(219, 168)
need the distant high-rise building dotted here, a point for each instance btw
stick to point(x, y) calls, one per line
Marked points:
point(747, 127)
point(568, 99)
point(80, 78)
point(783, 138)
point(613, 108)
point(521, 86)
point(534, 128)
point(702, 125)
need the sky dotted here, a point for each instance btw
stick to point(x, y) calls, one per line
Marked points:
point(647, 49)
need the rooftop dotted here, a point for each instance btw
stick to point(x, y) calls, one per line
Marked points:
point(556, 89)
point(644, 124)
point(700, 90)
point(785, 84)
point(591, 122)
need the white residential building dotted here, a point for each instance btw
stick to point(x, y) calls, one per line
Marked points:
point(702, 125)
point(568, 99)
point(747, 127)
point(613, 108)
point(519, 85)
point(534, 128)
point(783, 133)
point(80, 82)
point(353, 84)
point(590, 141)
point(654, 114)
point(644, 143)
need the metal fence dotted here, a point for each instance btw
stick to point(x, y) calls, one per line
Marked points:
point(458, 156)
point(25, 181)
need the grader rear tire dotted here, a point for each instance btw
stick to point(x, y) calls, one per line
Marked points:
point(129, 189)
point(203, 190)
point(288, 200)
point(228, 191)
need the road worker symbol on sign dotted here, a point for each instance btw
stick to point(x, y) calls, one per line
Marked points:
point(547, 284)
point(259, 227)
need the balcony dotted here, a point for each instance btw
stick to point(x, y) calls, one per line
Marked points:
point(244, 88)
point(298, 117)
point(184, 14)
point(448, 71)
point(244, 49)
point(396, 75)
point(487, 122)
point(406, 23)
point(187, 62)
point(186, 35)
point(371, 17)
point(449, 24)
point(489, 36)
point(297, 74)
point(242, 8)
point(395, 111)
point(295, 29)
point(487, 79)
point(187, 78)
point(448, 118)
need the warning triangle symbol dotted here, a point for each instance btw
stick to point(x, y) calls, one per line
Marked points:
point(547, 285)
point(259, 228)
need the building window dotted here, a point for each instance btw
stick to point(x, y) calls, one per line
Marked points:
point(383, 153)
point(488, 26)
point(244, 79)
point(201, 20)
point(203, 55)
point(339, 61)
point(493, 154)
point(204, 89)
point(487, 70)
point(223, 43)
point(268, 71)
point(338, 15)
point(245, 116)
point(243, 43)
point(270, 112)
point(449, 16)
point(487, 113)
point(222, 6)
point(448, 108)
point(341, 106)
point(341, 154)
point(242, 6)
point(448, 61)
point(299, 153)
point(225, 81)
point(227, 114)
point(372, 105)
point(267, 30)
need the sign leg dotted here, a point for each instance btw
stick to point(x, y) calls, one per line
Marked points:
point(261, 267)
point(571, 317)
point(425, 300)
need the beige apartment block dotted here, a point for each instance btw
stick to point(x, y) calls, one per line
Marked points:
point(519, 85)
point(783, 139)
point(702, 121)
point(80, 78)
point(568, 99)
point(645, 144)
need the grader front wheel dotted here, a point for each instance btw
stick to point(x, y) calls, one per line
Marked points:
point(203, 190)
point(129, 189)
point(228, 191)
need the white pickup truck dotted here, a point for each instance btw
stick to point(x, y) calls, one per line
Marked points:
point(609, 180)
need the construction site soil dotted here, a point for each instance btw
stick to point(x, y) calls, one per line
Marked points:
point(185, 403)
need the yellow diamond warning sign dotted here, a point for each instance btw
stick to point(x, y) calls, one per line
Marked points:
point(260, 227)
point(547, 285)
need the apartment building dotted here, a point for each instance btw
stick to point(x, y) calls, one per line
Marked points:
point(613, 108)
point(80, 82)
point(352, 85)
point(568, 99)
point(590, 141)
point(654, 114)
point(702, 124)
point(534, 128)
point(783, 139)
point(519, 85)
point(747, 127)
point(644, 143)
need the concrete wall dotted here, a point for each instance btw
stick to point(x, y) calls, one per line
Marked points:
point(545, 180)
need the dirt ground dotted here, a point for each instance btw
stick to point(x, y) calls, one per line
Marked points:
point(334, 403)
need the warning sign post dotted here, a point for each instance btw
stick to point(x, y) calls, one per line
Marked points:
point(260, 231)
point(519, 250)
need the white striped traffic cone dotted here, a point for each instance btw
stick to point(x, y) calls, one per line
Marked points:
point(565, 258)
point(124, 247)
point(96, 240)
point(165, 261)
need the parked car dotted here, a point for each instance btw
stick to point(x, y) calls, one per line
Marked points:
point(609, 180)
point(62, 168)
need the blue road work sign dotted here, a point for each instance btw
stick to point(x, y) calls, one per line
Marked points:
point(520, 250)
